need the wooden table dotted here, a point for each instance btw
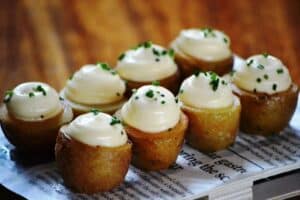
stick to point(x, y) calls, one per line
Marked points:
point(47, 40)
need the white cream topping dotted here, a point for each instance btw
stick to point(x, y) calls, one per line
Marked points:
point(262, 73)
point(205, 90)
point(151, 109)
point(205, 44)
point(146, 64)
point(95, 84)
point(33, 101)
point(96, 129)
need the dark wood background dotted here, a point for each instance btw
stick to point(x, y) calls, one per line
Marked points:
point(47, 40)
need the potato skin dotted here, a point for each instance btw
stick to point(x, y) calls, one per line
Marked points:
point(264, 114)
point(32, 137)
point(188, 65)
point(212, 129)
point(172, 83)
point(89, 169)
point(157, 151)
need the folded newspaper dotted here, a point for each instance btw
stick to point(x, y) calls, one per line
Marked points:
point(227, 174)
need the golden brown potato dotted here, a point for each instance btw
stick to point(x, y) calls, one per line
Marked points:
point(33, 137)
point(171, 83)
point(157, 151)
point(79, 109)
point(265, 114)
point(189, 65)
point(89, 169)
point(212, 129)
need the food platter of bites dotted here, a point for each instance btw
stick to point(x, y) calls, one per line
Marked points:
point(142, 110)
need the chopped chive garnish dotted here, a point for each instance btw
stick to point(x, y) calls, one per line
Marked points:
point(164, 52)
point(39, 88)
point(114, 121)
point(214, 81)
point(171, 53)
point(149, 93)
point(249, 63)
point(225, 40)
point(95, 111)
point(61, 99)
point(121, 56)
point(162, 102)
point(208, 32)
point(118, 94)
point(147, 44)
point(265, 55)
point(197, 72)
point(176, 100)
point(31, 94)
point(104, 66)
point(155, 52)
point(181, 91)
point(274, 87)
point(266, 76)
point(157, 60)
point(260, 66)
point(71, 77)
point(258, 80)
point(254, 90)
point(156, 83)
point(136, 97)
point(8, 96)
point(223, 82)
point(279, 71)
point(162, 95)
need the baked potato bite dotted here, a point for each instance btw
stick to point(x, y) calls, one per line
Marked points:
point(31, 116)
point(212, 109)
point(267, 94)
point(202, 49)
point(155, 125)
point(93, 153)
point(148, 63)
point(94, 87)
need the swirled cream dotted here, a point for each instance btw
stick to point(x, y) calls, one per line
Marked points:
point(262, 73)
point(96, 129)
point(33, 101)
point(205, 44)
point(95, 84)
point(146, 63)
point(151, 109)
point(205, 90)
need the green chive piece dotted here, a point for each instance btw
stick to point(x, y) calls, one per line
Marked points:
point(265, 54)
point(162, 102)
point(147, 44)
point(136, 97)
point(171, 53)
point(114, 121)
point(249, 63)
point(197, 72)
point(181, 91)
point(31, 94)
point(39, 88)
point(71, 77)
point(279, 71)
point(260, 66)
point(156, 83)
point(155, 52)
point(274, 87)
point(225, 40)
point(164, 52)
point(149, 93)
point(121, 56)
point(266, 76)
point(95, 111)
point(258, 80)
point(214, 81)
point(8, 95)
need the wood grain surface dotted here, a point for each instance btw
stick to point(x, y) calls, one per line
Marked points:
point(47, 40)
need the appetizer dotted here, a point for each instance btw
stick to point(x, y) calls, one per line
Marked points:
point(155, 125)
point(31, 116)
point(94, 87)
point(148, 63)
point(93, 153)
point(267, 93)
point(203, 49)
point(212, 109)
